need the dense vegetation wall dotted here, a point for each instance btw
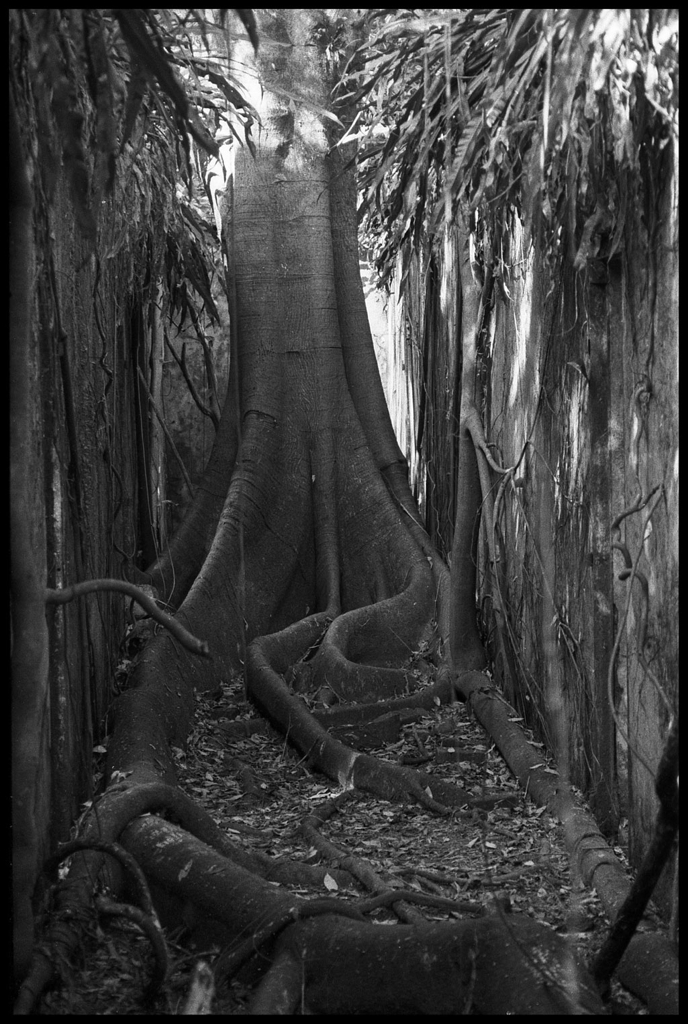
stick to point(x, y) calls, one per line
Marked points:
point(85, 410)
point(89, 432)
point(87, 405)
point(583, 368)
point(105, 263)
point(579, 377)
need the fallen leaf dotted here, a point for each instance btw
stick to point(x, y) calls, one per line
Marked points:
point(184, 871)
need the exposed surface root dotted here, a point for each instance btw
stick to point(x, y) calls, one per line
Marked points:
point(426, 969)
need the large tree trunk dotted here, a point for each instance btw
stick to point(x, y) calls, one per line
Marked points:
point(319, 574)
point(318, 525)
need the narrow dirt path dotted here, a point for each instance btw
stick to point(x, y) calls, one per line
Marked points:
point(355, 849)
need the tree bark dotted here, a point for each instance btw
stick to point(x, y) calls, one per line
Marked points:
point(319, 571)
point(27, 558)
point(467, 650)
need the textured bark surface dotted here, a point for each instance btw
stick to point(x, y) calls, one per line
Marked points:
point(318, 548)
point(319, 572)
point(27, 562)
point(303, 561)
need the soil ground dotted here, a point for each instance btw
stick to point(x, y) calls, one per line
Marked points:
point(514, 853)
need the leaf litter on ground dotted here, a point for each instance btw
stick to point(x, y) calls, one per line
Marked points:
point(514, 854)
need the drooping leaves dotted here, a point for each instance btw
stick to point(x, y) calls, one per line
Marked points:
point(503, 108)
point(132, 100)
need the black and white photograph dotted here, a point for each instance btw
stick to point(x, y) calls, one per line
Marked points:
point(343, 396)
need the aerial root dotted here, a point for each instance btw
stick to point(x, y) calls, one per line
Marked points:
point(187, 639)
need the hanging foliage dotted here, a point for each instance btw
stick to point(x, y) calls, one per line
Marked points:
point(462, 105)
point(124, 98)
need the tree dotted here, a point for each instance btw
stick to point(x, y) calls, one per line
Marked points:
point(320, 576)
point(553, 129)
